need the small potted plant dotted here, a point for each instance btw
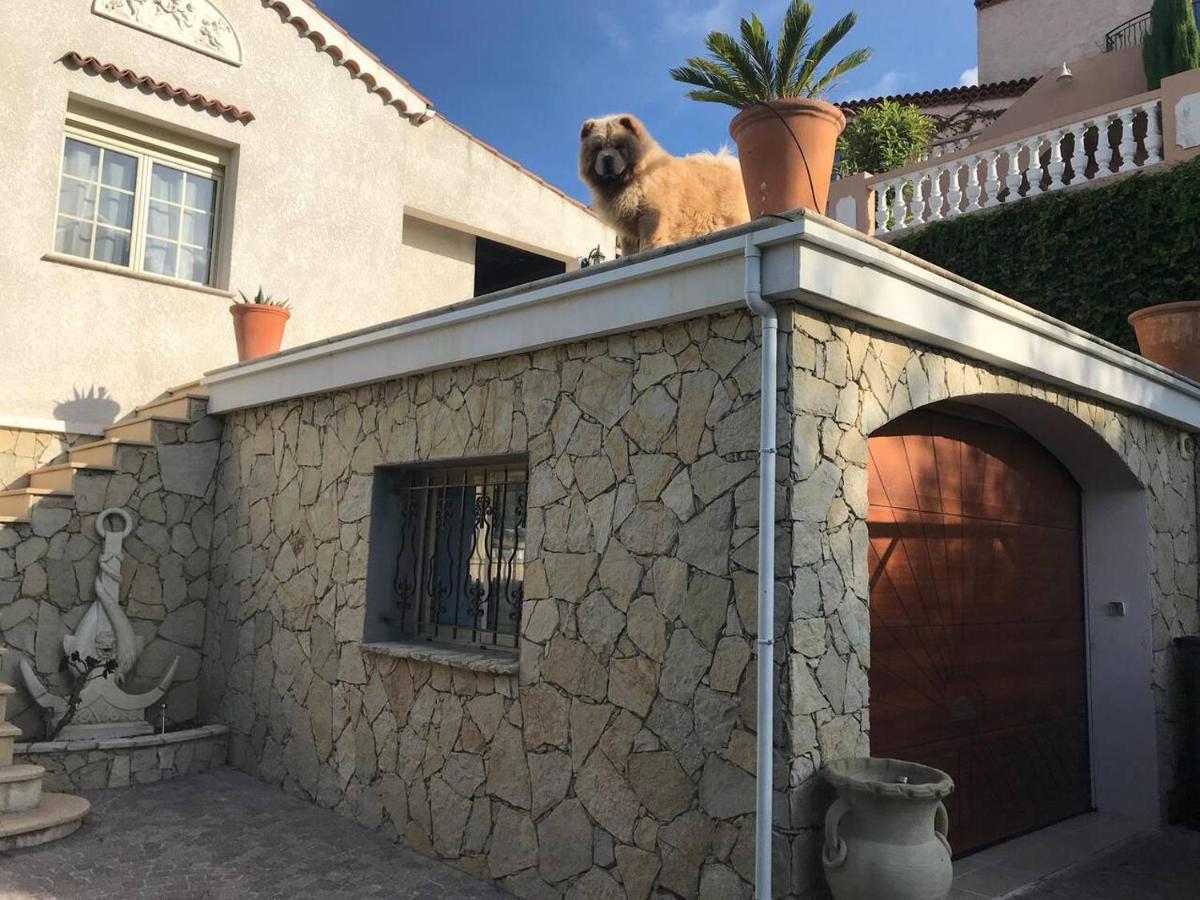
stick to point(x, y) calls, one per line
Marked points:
point(785, 134)
point(258, 324)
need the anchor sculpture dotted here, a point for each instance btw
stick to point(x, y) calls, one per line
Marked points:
point(104, 710)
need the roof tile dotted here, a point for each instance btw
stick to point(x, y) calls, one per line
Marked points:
point(163, 89)
point(937, 97)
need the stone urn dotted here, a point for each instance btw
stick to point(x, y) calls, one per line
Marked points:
point(885, 834)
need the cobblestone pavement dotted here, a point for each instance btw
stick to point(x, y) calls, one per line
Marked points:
point(224, 835)
point(1164, 865)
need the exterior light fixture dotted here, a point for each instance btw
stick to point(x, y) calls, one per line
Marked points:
point(592, 259)
point(1065, 76)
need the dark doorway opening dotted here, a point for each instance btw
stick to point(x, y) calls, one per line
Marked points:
point(499, 266)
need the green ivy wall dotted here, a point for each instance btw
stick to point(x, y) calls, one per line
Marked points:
point(1089, 257)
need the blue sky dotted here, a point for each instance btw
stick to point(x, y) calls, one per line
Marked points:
point(523, 74)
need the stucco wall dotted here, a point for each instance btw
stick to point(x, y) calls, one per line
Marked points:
point(318, 186)
point(1024, 38)
point(437, 261)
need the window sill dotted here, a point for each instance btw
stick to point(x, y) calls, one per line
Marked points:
point(80, 262)
point(494, 662)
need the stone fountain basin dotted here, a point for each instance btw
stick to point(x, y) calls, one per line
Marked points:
point(88, 765)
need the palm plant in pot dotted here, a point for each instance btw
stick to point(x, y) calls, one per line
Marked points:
point(785, 134)
point(258, 324)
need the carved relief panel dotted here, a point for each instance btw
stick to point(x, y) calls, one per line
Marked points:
point(196, 24)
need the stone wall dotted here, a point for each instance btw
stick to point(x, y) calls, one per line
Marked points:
point(74, 766)
point(619, 759)
point(22, 450)
point(847, 382)
point(48, 567)
point(624, 757)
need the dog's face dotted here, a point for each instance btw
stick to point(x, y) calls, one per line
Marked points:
point(610, 149)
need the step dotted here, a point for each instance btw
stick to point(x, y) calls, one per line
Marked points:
point(56, 816)
point(103, 453)
point(14, 520)
point(197, 387)
point(141, 429)
point(20, 788)
point(61, 477)
point(19, 504)
point(173, 407)
point(9, 733)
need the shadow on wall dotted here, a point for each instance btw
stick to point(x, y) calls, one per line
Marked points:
point(92, 405)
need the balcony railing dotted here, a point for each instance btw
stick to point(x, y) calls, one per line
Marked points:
point(1133, 32)
point(1104, 145)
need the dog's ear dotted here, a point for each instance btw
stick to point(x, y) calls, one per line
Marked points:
point(588, 127)
point(630, 124)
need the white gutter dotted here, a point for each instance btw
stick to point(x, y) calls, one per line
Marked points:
point(765, 768)
point(812, 260)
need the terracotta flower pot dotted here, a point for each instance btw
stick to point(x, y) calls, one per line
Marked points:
point(885, 834)
point(258, 329)
point(773, 168)
point(1169, 334)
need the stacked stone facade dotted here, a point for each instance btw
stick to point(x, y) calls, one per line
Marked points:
point(22, 450)
point(847, 382)
point(615, 756)
point(48, 567)
point(89, 765)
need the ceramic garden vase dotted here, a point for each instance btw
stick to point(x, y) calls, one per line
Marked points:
point(786, 150)
point(885, 834)
point(1169, 334)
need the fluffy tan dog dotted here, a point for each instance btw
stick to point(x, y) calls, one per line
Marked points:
point(650, 197)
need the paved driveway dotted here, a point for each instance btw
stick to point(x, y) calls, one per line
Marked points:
point(223, 835)
point(1162, 865)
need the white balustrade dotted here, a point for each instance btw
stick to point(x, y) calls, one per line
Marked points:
point(1056, 167)
point(1079, 154)
point(993, 179)
point(954, 195)
point(1037, 162)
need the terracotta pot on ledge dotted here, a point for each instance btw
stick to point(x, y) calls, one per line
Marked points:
point(769, 138)
point(258, 329)
point(1169, 334)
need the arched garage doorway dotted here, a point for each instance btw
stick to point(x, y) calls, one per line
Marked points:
point(978, 623)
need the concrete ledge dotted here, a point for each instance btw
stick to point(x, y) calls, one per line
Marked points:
point(120, 762)
point(494, 662)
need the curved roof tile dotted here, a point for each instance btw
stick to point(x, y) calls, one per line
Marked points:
point(164, 89)
point(939, 96)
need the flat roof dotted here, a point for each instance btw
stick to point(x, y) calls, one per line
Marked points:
point(807, 259)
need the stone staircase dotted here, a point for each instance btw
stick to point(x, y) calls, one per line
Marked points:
point(28, 816)
point(178, 406)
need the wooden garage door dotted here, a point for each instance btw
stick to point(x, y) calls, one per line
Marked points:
point(977, 633)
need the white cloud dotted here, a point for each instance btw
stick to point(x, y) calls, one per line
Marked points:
point(890, 82)
point(690, 18)
point(969, 78)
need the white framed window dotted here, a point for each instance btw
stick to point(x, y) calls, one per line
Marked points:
point(136, 204)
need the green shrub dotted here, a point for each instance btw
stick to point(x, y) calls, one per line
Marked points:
point(884, 137)
point(1089, 257)
point(1173, 44)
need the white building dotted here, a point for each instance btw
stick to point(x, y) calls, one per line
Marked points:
point(165, 155)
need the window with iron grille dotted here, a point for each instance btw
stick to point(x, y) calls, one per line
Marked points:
point(447, 555)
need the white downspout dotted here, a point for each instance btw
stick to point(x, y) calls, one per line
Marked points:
point(766, 570)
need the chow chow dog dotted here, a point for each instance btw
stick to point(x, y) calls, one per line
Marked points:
point(652, 198)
